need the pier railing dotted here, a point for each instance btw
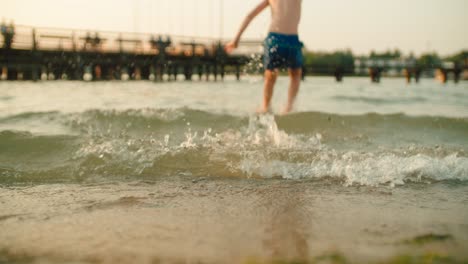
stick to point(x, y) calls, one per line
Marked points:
point(29, 38)
point(35, 52)
point(32, 53)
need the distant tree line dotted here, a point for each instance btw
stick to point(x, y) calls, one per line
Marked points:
point(328, 62)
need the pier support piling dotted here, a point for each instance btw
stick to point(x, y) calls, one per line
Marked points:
point(223, 72)
point(338, 74)
point(215, 72)
point(200, 71)
point(4, 74)
point(13, 74)
point(408, 75)
point(207, 72)
point(375, 74)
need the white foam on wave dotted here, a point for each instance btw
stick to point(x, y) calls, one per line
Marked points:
point(318, 161)
point(363, 169)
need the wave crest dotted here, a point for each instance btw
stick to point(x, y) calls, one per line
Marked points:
point(144, 144)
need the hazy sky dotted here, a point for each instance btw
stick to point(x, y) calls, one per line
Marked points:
point(361, 25)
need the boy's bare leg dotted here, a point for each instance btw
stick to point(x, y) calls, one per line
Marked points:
point(295, 76)
point(270, 80)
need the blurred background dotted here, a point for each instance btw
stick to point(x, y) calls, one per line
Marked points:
point(363, 37)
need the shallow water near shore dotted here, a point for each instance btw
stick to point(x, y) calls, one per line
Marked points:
point(141, 172)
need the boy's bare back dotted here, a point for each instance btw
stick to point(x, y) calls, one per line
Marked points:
point(285, 16)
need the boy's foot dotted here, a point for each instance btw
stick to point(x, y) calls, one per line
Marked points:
point(287, 110)
point(263, 110)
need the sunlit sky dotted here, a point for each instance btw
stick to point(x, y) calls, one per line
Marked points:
point(361, 25)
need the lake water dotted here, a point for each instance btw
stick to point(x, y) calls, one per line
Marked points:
point(142, 172)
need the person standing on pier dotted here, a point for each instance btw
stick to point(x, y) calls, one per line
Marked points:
point(282, 47)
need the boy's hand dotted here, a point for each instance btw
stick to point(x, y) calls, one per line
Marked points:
point(230, 47)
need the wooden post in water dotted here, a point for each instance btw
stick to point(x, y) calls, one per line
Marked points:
point(215, 71)
point(4, 73)
point(457, 73)
point(34, 73)
point(339, 74)
point(175, 71)
point(169, 72)
point(220, 60)
point(157, 72)
point(20, 74)
point(77, 67)
point(408, 75)
point(200, 71)
point(442, 75)
point(187, 73)
point(57, 72)
point(207, 72)
point(97, 72)
point(375, 74)
point(11, 73)
point(417, 74)
point(223, 72)
point(137, 73)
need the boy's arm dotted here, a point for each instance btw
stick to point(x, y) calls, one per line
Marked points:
point(257, 10)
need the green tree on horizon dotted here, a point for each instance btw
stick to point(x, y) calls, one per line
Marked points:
point(460, 58)
point(430, 60)
point(326, 63)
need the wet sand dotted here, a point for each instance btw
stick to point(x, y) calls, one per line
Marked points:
point(193, 220)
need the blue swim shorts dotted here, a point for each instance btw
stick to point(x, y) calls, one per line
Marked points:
point(283, 51)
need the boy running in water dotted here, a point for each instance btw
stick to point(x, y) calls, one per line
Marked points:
point(282, 47)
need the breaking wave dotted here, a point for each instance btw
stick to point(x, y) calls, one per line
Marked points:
point(96, 145)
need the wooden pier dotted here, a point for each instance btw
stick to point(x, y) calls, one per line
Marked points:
point(411, 70)
point(28, 53)
point(52, 54)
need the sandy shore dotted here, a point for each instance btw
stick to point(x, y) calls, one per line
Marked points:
point(182, 220)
